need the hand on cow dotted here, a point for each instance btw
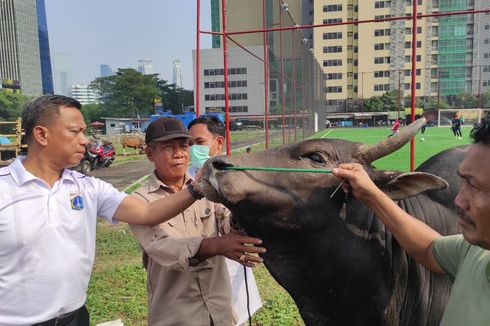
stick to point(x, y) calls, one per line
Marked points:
point(233, 246)
point(359, 181)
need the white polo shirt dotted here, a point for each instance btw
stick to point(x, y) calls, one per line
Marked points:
point(47, 241)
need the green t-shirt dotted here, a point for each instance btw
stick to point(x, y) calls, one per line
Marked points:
point(468, 266)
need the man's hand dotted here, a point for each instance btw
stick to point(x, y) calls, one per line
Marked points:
point(359, 181)
point(233, 246)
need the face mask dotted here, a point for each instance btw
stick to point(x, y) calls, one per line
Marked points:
point(199, 154)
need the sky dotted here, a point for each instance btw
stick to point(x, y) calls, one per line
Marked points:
point(120, 32)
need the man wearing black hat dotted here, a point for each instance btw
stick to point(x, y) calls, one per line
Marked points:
point(188, 283)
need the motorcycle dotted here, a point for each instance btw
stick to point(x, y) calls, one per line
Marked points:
point(104, 151)
point(97, 153)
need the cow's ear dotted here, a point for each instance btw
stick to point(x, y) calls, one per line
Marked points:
point(398, 185)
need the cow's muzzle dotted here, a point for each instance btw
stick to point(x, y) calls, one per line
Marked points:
point(220, 162)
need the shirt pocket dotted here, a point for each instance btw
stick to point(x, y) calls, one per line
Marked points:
point(174, 222)
point(208, 222)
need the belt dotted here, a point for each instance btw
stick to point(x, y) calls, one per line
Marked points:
point(61, 320)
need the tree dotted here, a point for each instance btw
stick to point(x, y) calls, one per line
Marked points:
point(441, 103)
point(385, 102)
point(485, 99)
point(127, 93)
point(11, 105)
point(175, 98)
point(466, 100)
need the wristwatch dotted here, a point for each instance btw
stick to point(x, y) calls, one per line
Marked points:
point(194, 193)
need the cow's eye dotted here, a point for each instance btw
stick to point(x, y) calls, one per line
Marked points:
point(315, 157)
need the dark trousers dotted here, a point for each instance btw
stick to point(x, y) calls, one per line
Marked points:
point(79, 317)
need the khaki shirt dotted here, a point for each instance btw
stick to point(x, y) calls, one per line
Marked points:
point(179, 294)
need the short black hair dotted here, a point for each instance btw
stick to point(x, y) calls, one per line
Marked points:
point(42, 109)
point(481, 132)
point(214, 124)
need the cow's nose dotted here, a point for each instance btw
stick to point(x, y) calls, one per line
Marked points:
point(220, 162)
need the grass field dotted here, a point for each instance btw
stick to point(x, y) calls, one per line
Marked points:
point(117, 289)
point(436, 140)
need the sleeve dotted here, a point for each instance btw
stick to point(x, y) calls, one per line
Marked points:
point(108, 200)
point(450, 252)
point(170, 252)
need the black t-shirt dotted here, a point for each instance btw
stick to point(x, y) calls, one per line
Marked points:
point(456, 123)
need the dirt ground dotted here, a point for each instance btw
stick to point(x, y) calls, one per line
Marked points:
point(124, 174)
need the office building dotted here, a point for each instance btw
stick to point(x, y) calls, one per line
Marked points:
point(83, 94)
point(145, 66)
point(105, 70)
point(361, 61)
point(45, 54)
point(62, 73)
point(245, 78)
point(177, 75)
point(20, 56)
point(300, 73)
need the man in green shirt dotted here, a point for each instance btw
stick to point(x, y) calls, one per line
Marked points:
point(464, 258)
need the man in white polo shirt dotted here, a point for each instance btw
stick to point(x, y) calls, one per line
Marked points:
point(48, 217)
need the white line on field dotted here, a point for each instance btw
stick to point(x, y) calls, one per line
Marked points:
point(327, 133)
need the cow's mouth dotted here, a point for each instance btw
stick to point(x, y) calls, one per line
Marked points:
point(210, 184)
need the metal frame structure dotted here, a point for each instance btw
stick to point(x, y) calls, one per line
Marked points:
point(226, 35)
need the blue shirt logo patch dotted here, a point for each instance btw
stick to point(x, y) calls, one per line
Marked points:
point(76, 202)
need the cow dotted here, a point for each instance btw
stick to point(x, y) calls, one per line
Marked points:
point(132, 142)
point(327, 249)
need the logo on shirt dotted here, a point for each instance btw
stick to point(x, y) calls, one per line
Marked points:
point(76, 201)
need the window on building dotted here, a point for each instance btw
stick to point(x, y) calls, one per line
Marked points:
point(330, 8)
point(332, 63)
point(332, 36)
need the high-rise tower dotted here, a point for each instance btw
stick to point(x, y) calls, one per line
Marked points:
point(20, 56)
point(177, 76)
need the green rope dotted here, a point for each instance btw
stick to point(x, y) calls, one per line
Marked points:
point(252, 168)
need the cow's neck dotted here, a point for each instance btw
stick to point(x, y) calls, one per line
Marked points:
point(323, 261)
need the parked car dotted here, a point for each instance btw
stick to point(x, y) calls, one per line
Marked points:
point(236, 125)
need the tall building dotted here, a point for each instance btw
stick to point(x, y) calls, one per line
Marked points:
point(145, 66)
point(361, 61)
point(83, 94)
point(62, 73)
point(46, 71)
point(245, 59)
point(245, 81)
point(177, 76)
point(20, 57)
point(105, 70)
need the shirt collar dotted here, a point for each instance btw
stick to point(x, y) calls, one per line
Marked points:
point(154, 183)
point(22, 176)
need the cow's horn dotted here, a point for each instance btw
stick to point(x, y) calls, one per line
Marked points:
point(370, 153)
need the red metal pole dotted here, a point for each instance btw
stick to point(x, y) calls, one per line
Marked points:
point(198, 53)
point(357, 22)
point(266, 75)
point(414, 79)
point(293, 65)
point(282, 78)
point(303, 104)
point(225, 66)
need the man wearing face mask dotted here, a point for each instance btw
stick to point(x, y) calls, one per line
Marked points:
point(188, 282)
point(209, 137)
point(208, 134)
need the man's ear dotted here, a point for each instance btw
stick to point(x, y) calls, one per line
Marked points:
point(149, 152)
point(40, 134)
point(399, 185)
point(221, 141)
